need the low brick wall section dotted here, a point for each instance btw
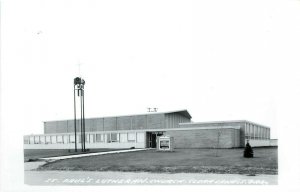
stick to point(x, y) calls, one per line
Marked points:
point(206, 138)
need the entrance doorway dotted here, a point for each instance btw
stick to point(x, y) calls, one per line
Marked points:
point(152, 138)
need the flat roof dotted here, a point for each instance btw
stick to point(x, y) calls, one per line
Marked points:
point(229, 121)
point(183, 112)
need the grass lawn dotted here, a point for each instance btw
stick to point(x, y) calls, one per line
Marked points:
point(181, 160)
point(34, 154)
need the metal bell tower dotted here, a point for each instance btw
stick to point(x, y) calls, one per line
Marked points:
point(79, 87)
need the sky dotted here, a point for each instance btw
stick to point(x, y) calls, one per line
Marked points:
point(220, 60)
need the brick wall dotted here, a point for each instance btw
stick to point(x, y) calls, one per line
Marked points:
point(124, 123)
point(240, 124)
point(139, 122)
point(110, 124)
point(205, 138)
point(99, 124)
point(155, 121)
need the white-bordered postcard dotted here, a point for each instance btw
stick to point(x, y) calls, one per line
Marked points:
point(159, 95)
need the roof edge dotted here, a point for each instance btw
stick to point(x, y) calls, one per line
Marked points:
point(229, 121)
point(185, 113)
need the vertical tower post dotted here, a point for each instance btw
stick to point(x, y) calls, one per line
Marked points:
point(75, 118)
point(79, 83)
point(83, 120)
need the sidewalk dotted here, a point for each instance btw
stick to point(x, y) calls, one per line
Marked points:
point(89, 154)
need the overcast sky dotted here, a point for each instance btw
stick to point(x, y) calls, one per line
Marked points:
point(220, 60)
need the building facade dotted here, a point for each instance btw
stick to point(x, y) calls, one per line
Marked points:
point(143, 130)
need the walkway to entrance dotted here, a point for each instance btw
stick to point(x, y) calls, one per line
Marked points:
point(90, 154)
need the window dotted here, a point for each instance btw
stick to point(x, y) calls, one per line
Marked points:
point(53, 139)
point(26, 140)
point(260, 132)
point(99, 138)
point(66, 138)
point(108, 138)
point(36, 139)
point(42, 139)
point(247, 130)
point(87, 138)
point(140, 137)
point(72, 138)
point(31, 140)
point(114, 137)
point(92, 138)
point(59, 139)
point(123, 137)
point(48, 139)
point(131, 137)
point(252, 131)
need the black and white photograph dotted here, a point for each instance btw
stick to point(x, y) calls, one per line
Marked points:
point(149, 95)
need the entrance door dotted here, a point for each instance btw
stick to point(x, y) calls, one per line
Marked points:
point(151, 140)
point(152, 137)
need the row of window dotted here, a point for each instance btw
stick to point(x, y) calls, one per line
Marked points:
point(256, 132)
point(255, 138)
point(90, 138)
